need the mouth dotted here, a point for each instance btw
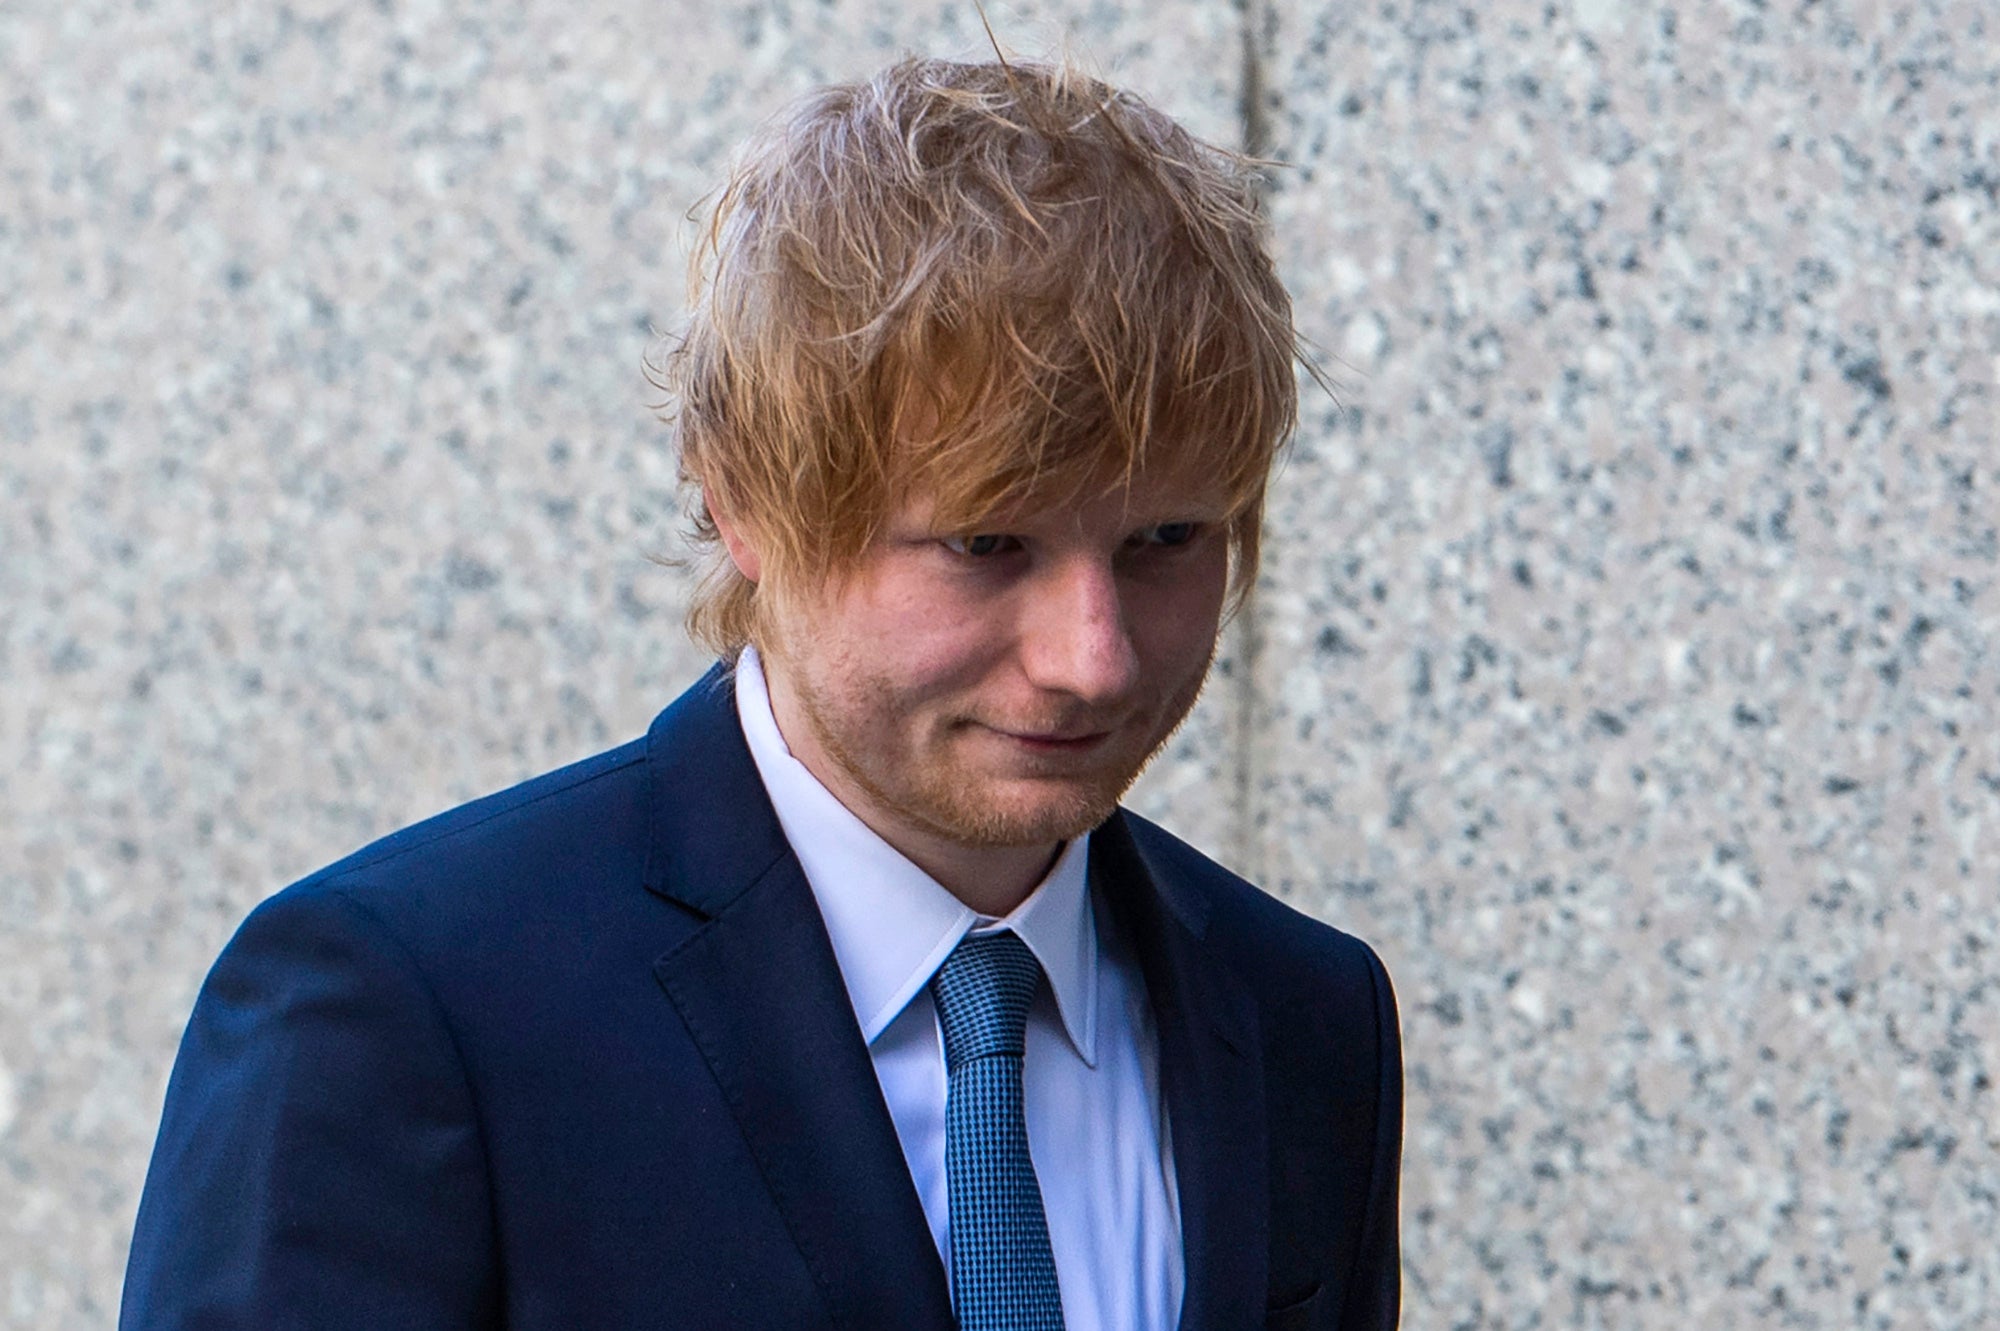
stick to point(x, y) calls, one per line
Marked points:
point(1062, 743)
point(1055, 741)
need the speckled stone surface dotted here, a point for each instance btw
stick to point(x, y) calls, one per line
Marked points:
point(1628, 658)
point(327, 474)
point(1623, 667)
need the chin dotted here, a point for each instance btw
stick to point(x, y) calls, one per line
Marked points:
point(973, 814)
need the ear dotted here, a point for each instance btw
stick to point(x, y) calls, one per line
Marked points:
point(742, 553)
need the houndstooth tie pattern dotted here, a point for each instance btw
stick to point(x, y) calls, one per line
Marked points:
point(1003, 1272)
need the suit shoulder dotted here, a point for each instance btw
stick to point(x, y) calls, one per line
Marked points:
point(585, 818)
point(1263, 935)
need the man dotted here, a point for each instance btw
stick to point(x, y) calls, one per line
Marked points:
point(848, 997)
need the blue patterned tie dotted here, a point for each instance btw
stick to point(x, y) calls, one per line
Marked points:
point(1003, 1272)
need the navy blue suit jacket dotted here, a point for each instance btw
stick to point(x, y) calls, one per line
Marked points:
point(578, 1055)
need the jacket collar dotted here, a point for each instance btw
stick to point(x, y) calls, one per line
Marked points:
point(760, 993)
point(713, 830)
point(1211, 1073)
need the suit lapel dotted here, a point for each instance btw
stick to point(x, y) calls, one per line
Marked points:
point(760, 992)
point(1211, 1073)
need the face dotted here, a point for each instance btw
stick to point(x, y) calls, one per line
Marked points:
point(1003, 687)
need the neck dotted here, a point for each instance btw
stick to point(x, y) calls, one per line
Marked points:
point(992, 881)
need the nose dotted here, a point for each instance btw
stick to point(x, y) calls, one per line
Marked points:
point(1074, 635)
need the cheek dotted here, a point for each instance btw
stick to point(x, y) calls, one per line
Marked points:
point(924, 647)
point(947, 660)
point(1172, 651)
point(1176, 622)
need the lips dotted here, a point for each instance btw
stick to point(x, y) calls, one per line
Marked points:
point(1057, 739)
point(1059, 735)
point(1078, 741)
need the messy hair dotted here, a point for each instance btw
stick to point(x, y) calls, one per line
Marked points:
point(981, 283)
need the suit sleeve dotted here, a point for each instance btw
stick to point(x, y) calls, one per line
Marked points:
point(1375, 1287)
point(319, 1162)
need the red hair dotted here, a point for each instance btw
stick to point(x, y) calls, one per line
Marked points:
point(983, 282)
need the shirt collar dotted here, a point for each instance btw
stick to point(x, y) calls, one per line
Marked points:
point(891, 924)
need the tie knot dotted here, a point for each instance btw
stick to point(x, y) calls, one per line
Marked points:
point(982, 993)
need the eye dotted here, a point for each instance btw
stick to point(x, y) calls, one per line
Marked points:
point(981, 546)
point(1168, 535)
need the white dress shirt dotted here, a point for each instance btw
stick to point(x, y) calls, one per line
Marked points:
point(1097, 1125)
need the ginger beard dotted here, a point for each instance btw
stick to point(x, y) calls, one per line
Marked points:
point(947, 770)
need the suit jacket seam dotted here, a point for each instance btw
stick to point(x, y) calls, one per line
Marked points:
point(756, 878)
point(336, 874)
point(1387, 1090)
point(451, 1035)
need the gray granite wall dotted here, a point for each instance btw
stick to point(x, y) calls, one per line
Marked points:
point(1624, 668)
